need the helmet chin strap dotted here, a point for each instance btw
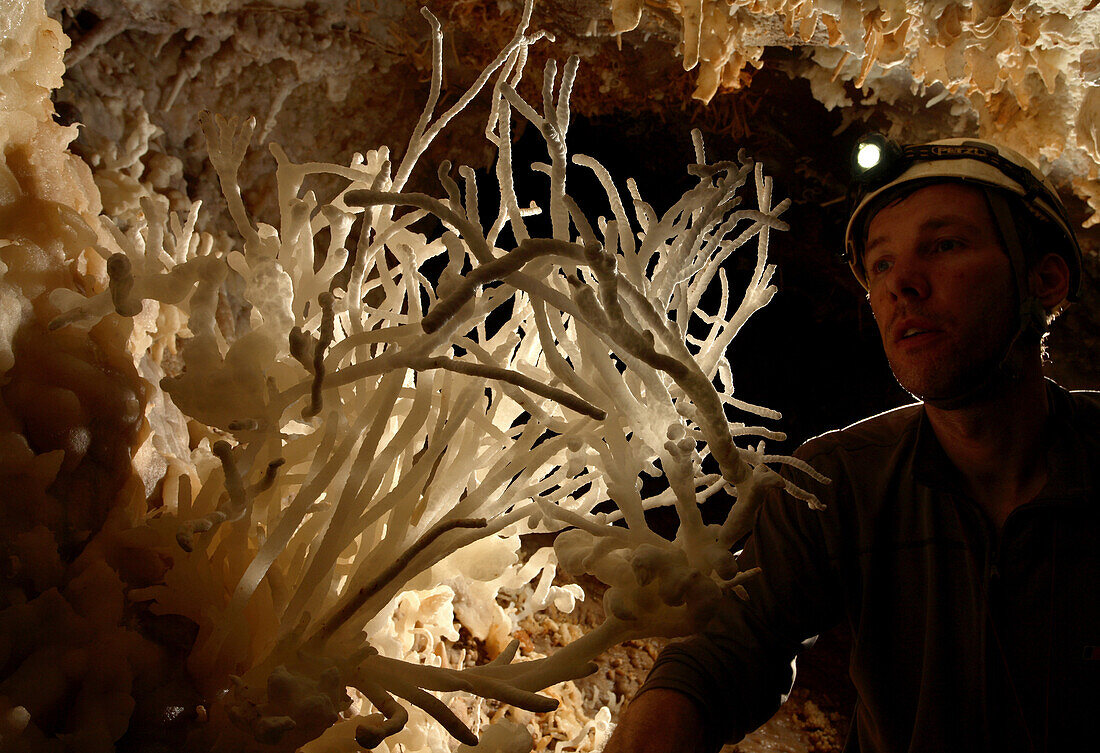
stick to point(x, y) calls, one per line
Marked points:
point(1031, 314)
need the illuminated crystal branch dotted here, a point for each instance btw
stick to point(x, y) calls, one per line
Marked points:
point(357, 436)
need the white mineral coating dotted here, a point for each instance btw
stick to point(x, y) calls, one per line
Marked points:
point(32, 46)
point(323, 486)
point(1020, 73)
point(502, 737)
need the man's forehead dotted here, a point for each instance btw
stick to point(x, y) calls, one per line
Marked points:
point(930, 208)
point(949, 193)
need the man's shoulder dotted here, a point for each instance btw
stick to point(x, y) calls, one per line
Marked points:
point(1086, 403)
point(885, 430)
point(863, 462)
point(1084, 419)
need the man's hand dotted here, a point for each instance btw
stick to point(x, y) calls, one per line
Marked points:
point(659, 721)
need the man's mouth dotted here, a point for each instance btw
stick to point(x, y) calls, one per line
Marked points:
point(914, 331)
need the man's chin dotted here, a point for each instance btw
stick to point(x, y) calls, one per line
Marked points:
point(932, 388)
point(952, 394)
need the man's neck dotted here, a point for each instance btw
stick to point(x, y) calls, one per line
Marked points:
point(997, 443)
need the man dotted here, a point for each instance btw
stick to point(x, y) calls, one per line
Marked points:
point(961, 535)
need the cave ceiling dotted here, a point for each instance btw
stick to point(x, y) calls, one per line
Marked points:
point(793, 83)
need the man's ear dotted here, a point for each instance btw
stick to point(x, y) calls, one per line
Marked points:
point(1049, 280)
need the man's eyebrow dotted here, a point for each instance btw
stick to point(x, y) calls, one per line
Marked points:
point(931, 224)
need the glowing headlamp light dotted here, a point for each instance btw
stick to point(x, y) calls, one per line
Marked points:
point(874, 157)
point(868, 155)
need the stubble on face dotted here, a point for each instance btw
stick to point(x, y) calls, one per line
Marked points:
point(965, 360)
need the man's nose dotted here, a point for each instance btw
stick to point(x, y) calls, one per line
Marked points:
point(907, 279)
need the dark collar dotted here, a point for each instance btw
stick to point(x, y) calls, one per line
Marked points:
point(931, 466)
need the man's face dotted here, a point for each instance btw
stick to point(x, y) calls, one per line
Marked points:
point(941, 289)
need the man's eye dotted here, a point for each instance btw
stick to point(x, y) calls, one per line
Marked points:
point(878, 266)
point(946, 244)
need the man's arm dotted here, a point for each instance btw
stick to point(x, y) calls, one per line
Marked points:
point(659, 721)
point(720, 685)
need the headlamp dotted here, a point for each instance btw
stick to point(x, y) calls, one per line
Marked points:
point(868, 155)
point(876, 160)
point(874, 157)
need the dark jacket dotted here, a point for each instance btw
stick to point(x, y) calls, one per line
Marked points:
point(965, 638)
